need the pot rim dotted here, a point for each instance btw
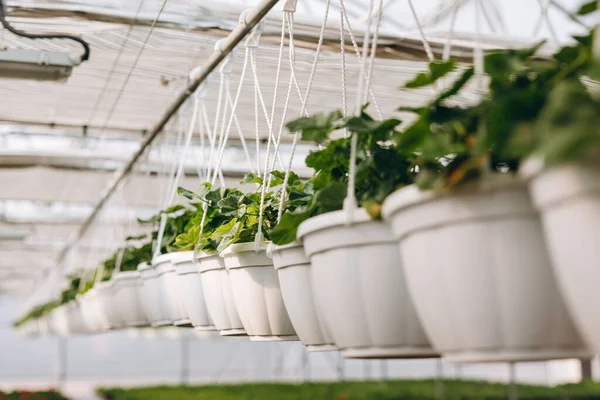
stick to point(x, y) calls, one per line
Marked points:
point(272, 247)
point(244, 248)
point(121, 275)
point(410, 196)
point(331, 219)
point(182, 257)
point(202, 265)
point(162, 259)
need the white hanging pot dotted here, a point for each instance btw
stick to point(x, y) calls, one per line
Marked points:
point(92, 311)
point(128, 295)
point(107, 305)
point(75, 319)
point(478, 270)
point(60, 321)
point(257, 294)
point(360, 288)
point(28, 329)
point(191, 291)
point(152, 296)
point(44, 325)
point(216, 286)
point(171, 290)
point(568, 199)
point(293, 268)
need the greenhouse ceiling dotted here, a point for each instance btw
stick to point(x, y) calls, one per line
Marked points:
point(61, 142)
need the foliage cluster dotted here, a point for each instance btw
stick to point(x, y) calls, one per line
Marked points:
point(392, 390)
point(28, 395)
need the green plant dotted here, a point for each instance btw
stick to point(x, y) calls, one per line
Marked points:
point(348, 390)
point(66, 296)
point(207, 200)
point(178, 219)
point(381, 167)
point(131, 256)
point(233, 216)
point(458, 144)
point(28, 395)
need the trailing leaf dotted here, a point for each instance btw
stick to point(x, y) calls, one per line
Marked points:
point(437, 70)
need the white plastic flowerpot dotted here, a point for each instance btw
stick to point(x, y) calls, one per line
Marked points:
point(60, 321)
point(128, 296)
point(152, 296)
point(360, 288)
point(293, 267)
point(92, 311)
point(568, 199)
point(191, 293)
point(479, 273)
point(216, 286)
point(257, 293)
point(171, 290)
point(75, 319)
point(107, 305)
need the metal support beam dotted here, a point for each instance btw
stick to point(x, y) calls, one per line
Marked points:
point(235, 37)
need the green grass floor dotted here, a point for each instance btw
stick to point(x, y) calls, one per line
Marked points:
point(393, 390)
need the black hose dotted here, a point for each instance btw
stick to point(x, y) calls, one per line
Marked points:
point(86, 46)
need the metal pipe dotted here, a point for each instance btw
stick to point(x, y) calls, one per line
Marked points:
point(234, 38)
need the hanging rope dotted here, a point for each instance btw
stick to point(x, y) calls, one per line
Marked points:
point(288, 16)
point(304, 102)
point(225, 134)
point(448, 45)
point(424, 40)
point(350, 200)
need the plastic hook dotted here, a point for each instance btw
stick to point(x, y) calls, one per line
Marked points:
point(290, 6)
point(227, 64)
point(253, 39)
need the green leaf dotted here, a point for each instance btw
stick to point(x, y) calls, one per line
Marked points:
point(456, 86)
point(380, 130)
point(252, 178)
point(588, 8)
point(285, 232)
point(331, 198)
point(224, 229)
point(133, 238)
point(318, 127)
point(437, 70)
point(230, 205)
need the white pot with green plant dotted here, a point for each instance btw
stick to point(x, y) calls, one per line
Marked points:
point(60, 321)
point(215, 280)
point(192, 293)
point(127, 293)
point(235, 229)
point(293, 268)
point(76, 324)
point(128, 282)
point(357, 278)
point(93, 316)
point(216, 286)
point(257, 293)
point(171, 223)
point(152, 296)
point(470, 239)
point(106, 304)
point(170, 290)
point(564, 182)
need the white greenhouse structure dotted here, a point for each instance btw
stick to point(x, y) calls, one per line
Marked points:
point(228, 192)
